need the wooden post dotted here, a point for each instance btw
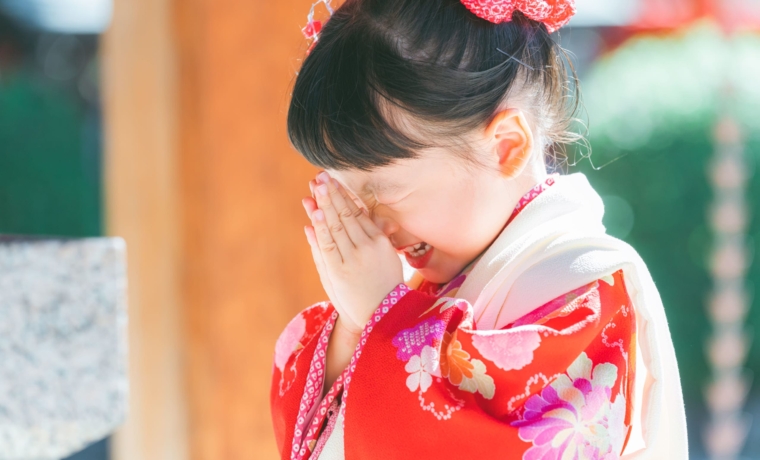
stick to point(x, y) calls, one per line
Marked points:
point(205, 188)
point(138, 90)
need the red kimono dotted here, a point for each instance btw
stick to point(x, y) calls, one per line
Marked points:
point(425, 382)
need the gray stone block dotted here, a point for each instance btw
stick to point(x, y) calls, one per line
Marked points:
point(63, 344)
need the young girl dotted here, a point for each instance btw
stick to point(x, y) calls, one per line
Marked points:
point(525, 331)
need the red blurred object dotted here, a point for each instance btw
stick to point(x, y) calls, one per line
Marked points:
point(666, 16)
point(732, 15)
point(670, 14)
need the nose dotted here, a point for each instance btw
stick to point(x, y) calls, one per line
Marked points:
point(384, 222)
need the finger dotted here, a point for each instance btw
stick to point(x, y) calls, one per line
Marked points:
point(312, 184)
point(327, 245)
point(310, 205)
point(311, 238)
point(361, 215)
point(334, 224)
point(323, 272)
point(347, 215)
point(369, 226)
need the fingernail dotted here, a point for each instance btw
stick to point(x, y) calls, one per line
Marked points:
point(335, 183)
point(318, 215)
point(323, 177)
point(322, 189)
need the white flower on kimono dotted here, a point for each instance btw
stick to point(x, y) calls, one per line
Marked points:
point(448, 302)
point(421, 368)
point(574, 416)
point(480, 381)
point(512, 349)
point(289, 341)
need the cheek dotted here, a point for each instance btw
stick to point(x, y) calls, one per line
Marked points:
point(460, 222)
point(445, 223)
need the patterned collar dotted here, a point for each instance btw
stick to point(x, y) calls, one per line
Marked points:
point(531, 195)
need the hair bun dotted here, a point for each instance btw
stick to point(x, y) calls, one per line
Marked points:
point(553, 13)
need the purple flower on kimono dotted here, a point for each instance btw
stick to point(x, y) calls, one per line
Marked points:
point(410, 342)
point(453, 284)
point(574, 416)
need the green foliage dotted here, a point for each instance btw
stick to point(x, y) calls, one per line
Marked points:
point(49, 177)
point(651, 108)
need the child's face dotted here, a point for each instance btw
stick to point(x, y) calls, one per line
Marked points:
point(435, 199)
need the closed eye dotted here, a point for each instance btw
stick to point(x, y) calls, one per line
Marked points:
point(393, 203)
point(362, 204)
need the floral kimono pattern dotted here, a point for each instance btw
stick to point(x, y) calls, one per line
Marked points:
point(425, 382)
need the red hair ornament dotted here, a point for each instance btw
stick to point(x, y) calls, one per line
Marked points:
point(313, 27)
point(553, 13)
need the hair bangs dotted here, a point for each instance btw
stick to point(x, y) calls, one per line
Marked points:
point(390, 78)
point(343, 119)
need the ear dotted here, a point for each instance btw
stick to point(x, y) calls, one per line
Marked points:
point(511, 139)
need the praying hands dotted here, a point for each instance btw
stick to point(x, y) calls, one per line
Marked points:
point(357, 263)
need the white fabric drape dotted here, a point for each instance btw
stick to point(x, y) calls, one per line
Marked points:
point(556, 244)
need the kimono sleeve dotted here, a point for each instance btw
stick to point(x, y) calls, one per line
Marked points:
point(295, 350)
point(556, 383)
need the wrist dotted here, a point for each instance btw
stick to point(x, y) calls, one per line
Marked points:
point(340, 348)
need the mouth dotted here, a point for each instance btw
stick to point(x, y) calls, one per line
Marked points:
point(417, 255)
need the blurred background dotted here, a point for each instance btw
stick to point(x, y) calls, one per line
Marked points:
point(163, 122)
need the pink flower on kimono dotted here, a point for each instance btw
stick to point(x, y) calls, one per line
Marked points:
point(507, 349)
point(289, 341)
point(421, 368)
point(574, 416)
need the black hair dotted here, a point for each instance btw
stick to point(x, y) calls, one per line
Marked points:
point(445, 69)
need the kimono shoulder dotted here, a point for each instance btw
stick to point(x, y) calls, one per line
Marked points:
point(425, 382)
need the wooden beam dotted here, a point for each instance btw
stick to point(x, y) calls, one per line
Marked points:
point(206, 189)
point(138, 90)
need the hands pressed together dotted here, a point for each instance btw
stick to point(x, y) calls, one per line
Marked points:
point(357, 263)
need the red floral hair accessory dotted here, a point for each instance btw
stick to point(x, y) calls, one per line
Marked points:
point(312, 28)
point(553, 13)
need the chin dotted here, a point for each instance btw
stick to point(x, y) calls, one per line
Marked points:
point(435, 276)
